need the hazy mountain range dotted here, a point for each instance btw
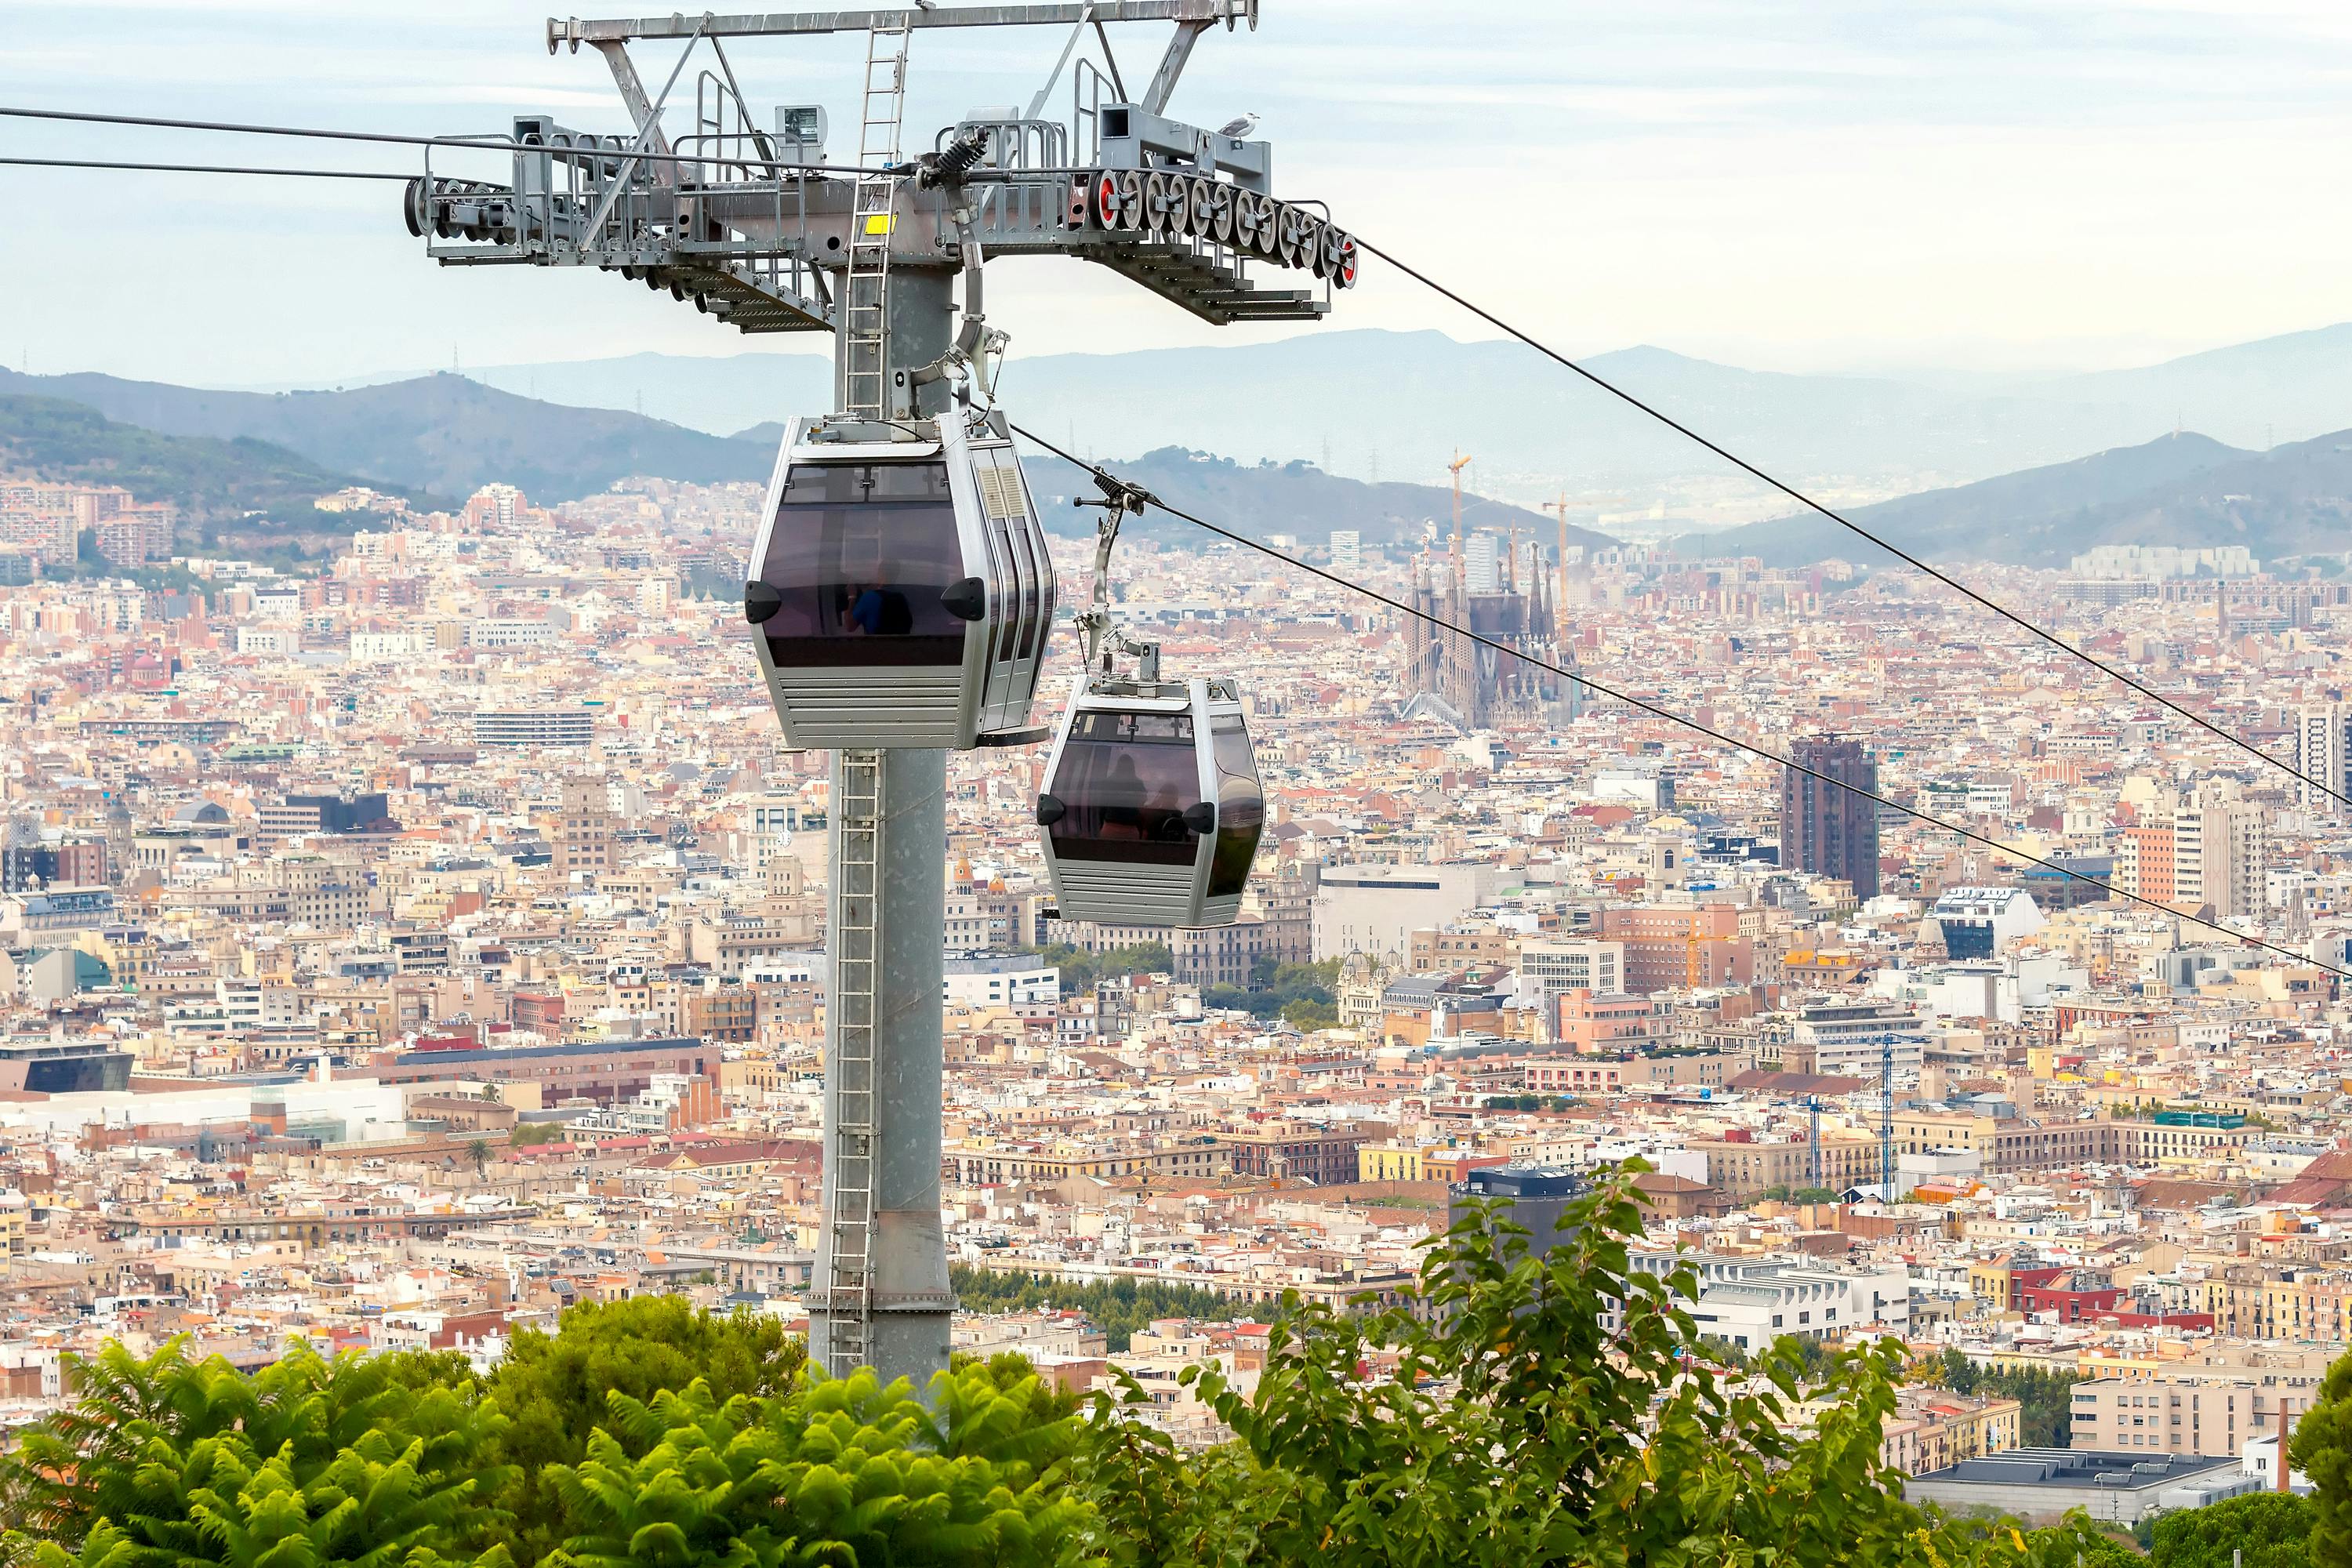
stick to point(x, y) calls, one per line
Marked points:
point(446, 433)
point(1395, 406)
point(440, 433)
point(1262, 499)
point(2186, 490)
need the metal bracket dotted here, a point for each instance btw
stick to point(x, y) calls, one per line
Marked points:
point(1171, 65)
point(641, 107)
point(1102, 639)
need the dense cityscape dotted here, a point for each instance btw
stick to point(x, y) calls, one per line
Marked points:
point(398, 955)
point(1570, 788)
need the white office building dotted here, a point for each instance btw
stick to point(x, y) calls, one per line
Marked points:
point(1749, 1301)
point(1019, 982)
point(1553, 967)
point(2323, 753)
point(1376, 908)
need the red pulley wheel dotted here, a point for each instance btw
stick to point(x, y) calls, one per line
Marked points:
point(1106, 201)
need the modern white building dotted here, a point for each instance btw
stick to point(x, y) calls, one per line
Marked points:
point(1000, 982)
point(1853, 1040)
point(1376, 908)
point(2323, 753)
point(1981, 922)
point(2221, 851)
point(1553, 967)
point(1749, 1302)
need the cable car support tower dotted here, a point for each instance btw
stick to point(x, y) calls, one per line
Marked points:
point(744, 217)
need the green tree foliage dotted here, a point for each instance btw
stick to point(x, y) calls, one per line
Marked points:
point(2269, 1530)
point(1117, 1307)
point(838, 1472)
point(1080, 969)
point(1559, 1409)
point(1519, 1428)
point(2046, 1416)
point(308, 1463)
point(554, 1388)
point(2322, 1448)
point(1306, 1016)
point(1781, 1193)
point(1275, 987)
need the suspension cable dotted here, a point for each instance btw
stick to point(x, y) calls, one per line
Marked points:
point(487, 144)
point(200, 169)
point(2004, 611)
point(1671, 717)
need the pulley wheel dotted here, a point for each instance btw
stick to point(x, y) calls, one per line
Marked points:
point(1292, 235)
point(1344, 274)
point(1105, 200)
point(1269, 226)
point(1246, 221)
point(1155, 203)
point(1180, 205)
point(1222, 200)
point(1130, 201)
point(1323, 259)
point(1203, 195)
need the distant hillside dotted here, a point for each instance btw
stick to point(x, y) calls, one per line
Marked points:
point(2182, 490)
point(1260, 499)
point(209, 479)
point(442, 433)
point(1351, 398)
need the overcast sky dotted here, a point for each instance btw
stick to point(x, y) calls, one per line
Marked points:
point(1781, 184)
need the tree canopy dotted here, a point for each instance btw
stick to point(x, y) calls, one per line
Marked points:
point(1541, 1408)
point(2264, 1529)
point(1117, 1307)
point(1544, 1408)
point(555, 1389)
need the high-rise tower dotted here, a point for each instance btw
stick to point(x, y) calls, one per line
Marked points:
point(1825, 827)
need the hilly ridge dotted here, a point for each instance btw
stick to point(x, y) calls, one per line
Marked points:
point(1264, 498)
point(2185, 489)
point(208, 477)
point(1403, 401)
point(442, 433)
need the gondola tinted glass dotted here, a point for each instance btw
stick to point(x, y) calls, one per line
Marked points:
point(1124, 782)
point(1241, 807)
point(860, 555)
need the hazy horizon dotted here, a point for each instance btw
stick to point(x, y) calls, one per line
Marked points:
point(1985, 188)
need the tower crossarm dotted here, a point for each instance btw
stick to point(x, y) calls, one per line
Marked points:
point(575, 31)
point(756, 228)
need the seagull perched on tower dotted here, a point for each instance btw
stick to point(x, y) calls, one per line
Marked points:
point(1241, 125)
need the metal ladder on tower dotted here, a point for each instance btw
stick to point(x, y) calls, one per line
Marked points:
point(857, 954)
point(865, 294)
point(857, 865)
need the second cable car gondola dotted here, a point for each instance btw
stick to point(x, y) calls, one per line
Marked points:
point(900, 587)
point(1152, 807)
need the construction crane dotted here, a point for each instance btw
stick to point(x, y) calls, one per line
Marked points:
point(743, 217)
point(1560, 599)
point(1814, 1114)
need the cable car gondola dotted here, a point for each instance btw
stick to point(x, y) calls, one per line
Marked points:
point(900, 584)
point(1152, 807)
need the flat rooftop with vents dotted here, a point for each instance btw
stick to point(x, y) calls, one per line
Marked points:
point(2111, 1486)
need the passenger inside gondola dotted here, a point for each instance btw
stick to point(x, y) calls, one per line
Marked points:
point(1122, 801)
point(862, 553)
point(1125, 781)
